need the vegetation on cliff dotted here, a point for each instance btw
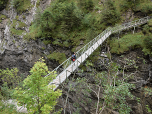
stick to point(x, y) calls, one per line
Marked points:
point(64, 23)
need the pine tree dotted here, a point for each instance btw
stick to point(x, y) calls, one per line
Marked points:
point(110, 14)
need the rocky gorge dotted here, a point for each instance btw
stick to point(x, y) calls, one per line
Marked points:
point(15, 51)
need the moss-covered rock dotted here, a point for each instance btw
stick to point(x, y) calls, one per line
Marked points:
point(17, 27)
point(2, 17)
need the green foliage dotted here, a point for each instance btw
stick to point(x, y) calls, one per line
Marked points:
point(110, 15)
point(126, 4)
point(148, 91)
point(145, 7)
point(6, 92)
point(21, 5)
point(148, 109)
point(126, 42)
point(2, 17)
point(59, 23)
point(38, 96)
point(60, 57)
point(7, 109)
point(3, 4)
point(150, 23)
point(115, 91)
point(16, 27)
point(115, 97)
point(86, 5)
point(148, 44)
point(10, 77)
point(146, 29)
point(47, 42)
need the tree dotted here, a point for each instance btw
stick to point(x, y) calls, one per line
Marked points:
point(10, 77)
point(111, 92)
point(47, 23)
point(86, 5)
point(36, 94)
point(126, 4)
point(110, 14)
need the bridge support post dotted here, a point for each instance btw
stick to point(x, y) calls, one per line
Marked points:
point(134, 30)
point(118, 34)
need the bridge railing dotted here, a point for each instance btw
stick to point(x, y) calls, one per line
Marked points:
point(115, 29)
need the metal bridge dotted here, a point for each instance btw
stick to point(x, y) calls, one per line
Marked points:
point(64, 70)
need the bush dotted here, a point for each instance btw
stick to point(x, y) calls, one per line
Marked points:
point(148, 42)
point(126, 42)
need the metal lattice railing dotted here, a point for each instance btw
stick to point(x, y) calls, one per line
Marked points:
point(111, 30)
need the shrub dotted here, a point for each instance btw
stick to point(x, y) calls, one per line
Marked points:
point(144, 8)
point(146, 29)
point(60, 57)
point(126, 42)
point(148, 42)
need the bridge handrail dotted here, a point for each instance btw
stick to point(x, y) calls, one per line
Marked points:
point(115, 29)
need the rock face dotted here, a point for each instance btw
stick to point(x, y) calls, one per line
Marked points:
point(14, 50)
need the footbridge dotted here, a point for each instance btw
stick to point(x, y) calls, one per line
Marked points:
point(65, 69)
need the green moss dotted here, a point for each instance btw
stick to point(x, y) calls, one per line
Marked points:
point(145, 7)
point(43, 48)
point(16, 32)
point(60, 57)
point(47, 42)
point(126, 42)
point(21, 24)
point(38, 3)
point(14, 23)
point(3, 17)
point(14, 41)
point(17, 17)
point(83, 67)
point(24, 17)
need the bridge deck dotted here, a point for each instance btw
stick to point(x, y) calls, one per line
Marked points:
point(66, 73)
